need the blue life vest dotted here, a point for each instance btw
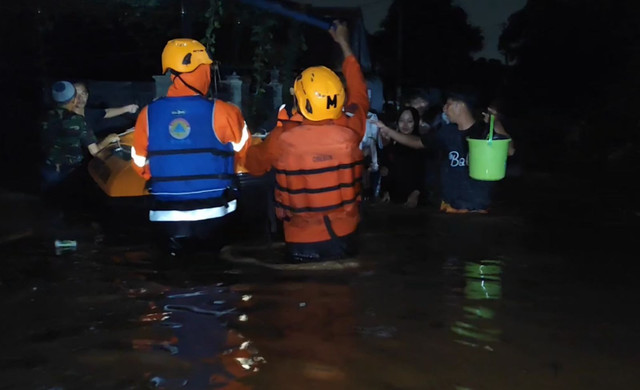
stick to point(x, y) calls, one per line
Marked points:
point(187, 161)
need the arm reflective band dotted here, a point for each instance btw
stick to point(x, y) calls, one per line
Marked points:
point(245, 136)
point(138, 160)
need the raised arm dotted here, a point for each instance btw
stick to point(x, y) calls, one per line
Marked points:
point(113, 112)
point(357, 104)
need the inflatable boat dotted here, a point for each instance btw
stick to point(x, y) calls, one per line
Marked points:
point(112, 171)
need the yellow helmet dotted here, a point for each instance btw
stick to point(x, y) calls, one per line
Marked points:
point(320, 93)
point(184, 55)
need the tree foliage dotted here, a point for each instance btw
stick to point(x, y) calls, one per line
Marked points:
point(270, 44)
point(435, 39)
point(213, 15)
point(579, 59)
point(103, 39)
point(577, 48)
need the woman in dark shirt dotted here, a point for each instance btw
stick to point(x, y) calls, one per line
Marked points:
point(404, 182)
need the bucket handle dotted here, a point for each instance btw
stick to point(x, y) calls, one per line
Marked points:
point(492, 120)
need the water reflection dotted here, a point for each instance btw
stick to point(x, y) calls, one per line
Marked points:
point(192, 325)
point(306, 330)
point(481, 292)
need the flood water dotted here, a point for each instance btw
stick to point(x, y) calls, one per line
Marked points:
point(540, 294)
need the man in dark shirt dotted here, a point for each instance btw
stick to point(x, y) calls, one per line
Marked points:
point(98, 118)
point(461, 193)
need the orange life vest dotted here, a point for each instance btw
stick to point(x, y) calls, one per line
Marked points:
point(318, 174)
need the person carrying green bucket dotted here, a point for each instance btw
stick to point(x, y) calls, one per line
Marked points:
point(459, 192)
point(488, 156)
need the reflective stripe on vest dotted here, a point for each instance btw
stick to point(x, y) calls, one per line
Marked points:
point(192, 215)
point(319, 169)
point(186, 159)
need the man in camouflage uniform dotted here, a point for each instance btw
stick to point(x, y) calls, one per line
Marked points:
point(65, 136)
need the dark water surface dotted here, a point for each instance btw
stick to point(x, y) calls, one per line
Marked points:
point(540, 294)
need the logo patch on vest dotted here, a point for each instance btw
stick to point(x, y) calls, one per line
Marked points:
point(179, 128)
point(321, 157)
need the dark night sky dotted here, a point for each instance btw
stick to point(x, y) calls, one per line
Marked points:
point(489, 15)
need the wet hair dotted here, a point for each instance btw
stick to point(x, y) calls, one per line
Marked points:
point(416, 118)
point(466, 94)
point(413, 94)
point(389, 113)
point(431, 95)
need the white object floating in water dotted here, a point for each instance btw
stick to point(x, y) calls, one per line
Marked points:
point(65, 244)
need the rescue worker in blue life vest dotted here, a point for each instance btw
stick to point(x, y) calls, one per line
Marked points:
point(317, 160)
point(186, 147)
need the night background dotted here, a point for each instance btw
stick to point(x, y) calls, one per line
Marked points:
point(538, 294)
point(568, 77)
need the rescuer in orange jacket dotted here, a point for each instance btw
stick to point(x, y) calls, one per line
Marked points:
point(317, 161)
point(186, 147)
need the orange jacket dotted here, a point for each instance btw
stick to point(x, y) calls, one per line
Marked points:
point(228, 122)
point(276, 150)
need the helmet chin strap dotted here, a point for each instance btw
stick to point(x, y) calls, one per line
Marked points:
point(215, 73)
point(194, 89)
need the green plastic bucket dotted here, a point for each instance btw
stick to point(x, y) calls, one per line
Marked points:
point(488, 157)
